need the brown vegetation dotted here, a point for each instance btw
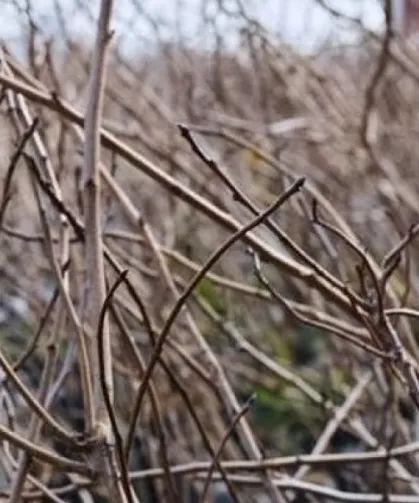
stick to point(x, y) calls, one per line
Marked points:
point(237, 311)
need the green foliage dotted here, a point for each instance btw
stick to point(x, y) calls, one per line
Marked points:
point(280, 344)
point(285, 419)
point(307, 345)
point(209, 293)
point(13, 339)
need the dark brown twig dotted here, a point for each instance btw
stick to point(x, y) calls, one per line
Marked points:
point(215, 256)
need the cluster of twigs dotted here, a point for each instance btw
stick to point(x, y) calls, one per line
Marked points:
point(174, 223)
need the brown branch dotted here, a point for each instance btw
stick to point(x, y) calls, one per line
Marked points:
point(371, 92)
point(216, 255)
point(106, 392)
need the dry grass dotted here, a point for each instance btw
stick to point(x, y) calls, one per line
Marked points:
point(241, 277)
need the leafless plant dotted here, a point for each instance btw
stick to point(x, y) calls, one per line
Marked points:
point(214, 248)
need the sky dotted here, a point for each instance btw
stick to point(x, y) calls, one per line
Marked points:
point(301, 22)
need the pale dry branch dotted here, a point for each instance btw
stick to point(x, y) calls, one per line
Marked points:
point(136, 391)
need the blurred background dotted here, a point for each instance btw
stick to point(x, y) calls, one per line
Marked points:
point(270, 91)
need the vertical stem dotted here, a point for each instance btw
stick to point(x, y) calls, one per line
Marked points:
point(95, 277)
